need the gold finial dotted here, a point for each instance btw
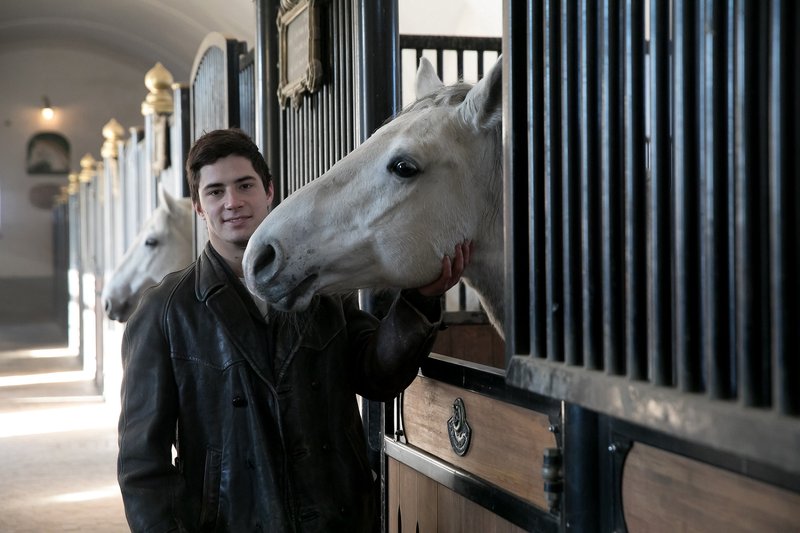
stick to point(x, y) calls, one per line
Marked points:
point(87, 168)
point(74, 184)
point(63, 195)
point(158, 81)
point(112, 132)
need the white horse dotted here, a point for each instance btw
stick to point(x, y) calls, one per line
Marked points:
point(163, 245)
point(386, 214)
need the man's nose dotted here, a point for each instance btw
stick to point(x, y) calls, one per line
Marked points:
point(232, 200)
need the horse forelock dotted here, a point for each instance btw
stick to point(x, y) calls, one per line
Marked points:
point(449, 95)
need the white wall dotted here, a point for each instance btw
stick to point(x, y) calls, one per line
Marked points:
point(70, 79)
point(479, 18)
point(475, 18)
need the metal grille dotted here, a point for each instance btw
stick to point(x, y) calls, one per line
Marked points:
point(214, 96)
point(321, 130)
point(215, 85)
point(660, 293)
point(247, 94)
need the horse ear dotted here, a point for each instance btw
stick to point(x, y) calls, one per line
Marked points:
point(166, 199)
point(427, 80)
point(483, 105)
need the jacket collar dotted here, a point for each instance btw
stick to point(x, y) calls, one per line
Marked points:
point(218, 288)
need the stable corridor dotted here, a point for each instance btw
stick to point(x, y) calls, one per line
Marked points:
point(58, 442)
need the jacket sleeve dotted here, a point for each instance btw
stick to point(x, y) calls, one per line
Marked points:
point(389, 357)
point(147, 478)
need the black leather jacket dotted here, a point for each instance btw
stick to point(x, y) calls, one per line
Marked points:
point(269, 436)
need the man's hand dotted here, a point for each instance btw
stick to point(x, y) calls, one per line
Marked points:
point(451, 271)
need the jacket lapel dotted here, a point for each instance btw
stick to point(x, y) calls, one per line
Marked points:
point(215, 286)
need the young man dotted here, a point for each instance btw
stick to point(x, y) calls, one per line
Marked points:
point(259, 405)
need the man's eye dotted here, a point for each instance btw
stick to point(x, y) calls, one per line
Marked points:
point(151, 242)
point(404, 168)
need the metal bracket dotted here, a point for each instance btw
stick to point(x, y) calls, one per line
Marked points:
point(458, 428)
point(399, 428)
point(618, 450)
point(553, 476)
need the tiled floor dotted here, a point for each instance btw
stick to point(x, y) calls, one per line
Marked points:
point(58, 441)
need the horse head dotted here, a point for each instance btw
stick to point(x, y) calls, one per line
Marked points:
point(163, 245)
point(385, 214)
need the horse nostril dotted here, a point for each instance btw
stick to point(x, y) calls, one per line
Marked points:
point(107, 306)
point(265, 261)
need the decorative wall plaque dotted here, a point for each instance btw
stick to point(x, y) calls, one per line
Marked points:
point(299, 51)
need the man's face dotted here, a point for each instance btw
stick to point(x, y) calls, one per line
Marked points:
point(233, 202)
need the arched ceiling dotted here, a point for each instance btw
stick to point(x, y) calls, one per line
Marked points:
point(139, 32)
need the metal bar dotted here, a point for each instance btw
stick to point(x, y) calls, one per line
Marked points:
point(536, 172)
point(717, 248)
point(635, 176)
point(610, 185)
point(778, 213)
point(449, 42)
point(659, 315)
point(747, 355)
point(761, 222)
point(792, 296)
point(516, 74)
point(570, 161)
point(685, 223)
point(552, 181)
point(590, 251)
point(581, 473)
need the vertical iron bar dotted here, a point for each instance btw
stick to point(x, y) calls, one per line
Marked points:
point(536, 172)
point(570, 160)
point(727, 210)
point(779, 211)
point(516, 75)
point(635, 175)
point(760, 227)
point(685, 253)
point(746, 206)
point(610, 186)
point(590, 245)
point(659, 316)
point(552, 182)
point(791, 67)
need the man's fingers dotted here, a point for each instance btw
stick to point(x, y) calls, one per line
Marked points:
point(458, 262)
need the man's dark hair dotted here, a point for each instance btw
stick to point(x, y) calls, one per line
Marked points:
point(217, 144)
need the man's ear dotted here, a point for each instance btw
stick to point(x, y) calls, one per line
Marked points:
point(198, 209)
point(270, 194)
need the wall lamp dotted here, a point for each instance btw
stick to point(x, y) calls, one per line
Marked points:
point(47, 109)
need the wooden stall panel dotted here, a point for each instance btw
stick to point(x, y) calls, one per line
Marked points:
point(665, 492)
point(477, 343)
point(508, 442)
point(417, 504)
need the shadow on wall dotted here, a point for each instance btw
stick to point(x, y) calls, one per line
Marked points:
point(29, 314)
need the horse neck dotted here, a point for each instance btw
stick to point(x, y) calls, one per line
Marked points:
point(486, 272)
point(485, 275)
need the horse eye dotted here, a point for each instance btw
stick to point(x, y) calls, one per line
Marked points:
point(151, 242)
point(404, 168)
